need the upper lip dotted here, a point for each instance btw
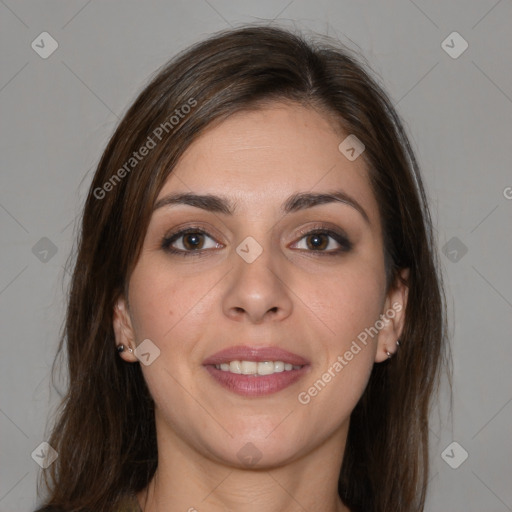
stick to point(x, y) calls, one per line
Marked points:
point(258, 354)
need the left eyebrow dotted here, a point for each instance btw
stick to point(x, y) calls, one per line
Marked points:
point(305, 200)
point(294, 203)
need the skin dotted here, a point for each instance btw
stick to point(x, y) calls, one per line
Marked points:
point(292, 296)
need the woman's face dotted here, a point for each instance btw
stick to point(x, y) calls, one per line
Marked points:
point(254, 278)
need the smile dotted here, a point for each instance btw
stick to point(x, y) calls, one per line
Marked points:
point(256, 371)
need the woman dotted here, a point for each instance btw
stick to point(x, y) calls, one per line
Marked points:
point(256, 320)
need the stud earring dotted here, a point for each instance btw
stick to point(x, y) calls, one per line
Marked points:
point(389, 354)
point(121, 348)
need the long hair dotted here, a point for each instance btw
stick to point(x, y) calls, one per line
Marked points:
point(104, 431)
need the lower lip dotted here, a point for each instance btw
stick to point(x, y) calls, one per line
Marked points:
point(251, 385)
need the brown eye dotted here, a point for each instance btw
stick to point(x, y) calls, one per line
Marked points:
point(193, 241)
point(187, 242)
point(319, 240)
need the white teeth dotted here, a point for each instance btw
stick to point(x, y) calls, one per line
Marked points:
point(249, 367)
point(278, 366)
point(234, 367)
point(266, 368)
point(256, 368)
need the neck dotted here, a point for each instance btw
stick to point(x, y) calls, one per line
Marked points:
point(186, 480)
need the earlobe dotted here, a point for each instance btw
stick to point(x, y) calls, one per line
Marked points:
point(123, 331)
point(393, 316)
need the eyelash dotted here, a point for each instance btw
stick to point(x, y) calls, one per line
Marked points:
point(342, 240)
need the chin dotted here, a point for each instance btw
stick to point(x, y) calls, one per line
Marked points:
point(257, 452)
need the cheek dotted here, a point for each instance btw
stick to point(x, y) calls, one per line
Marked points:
point(154, 303)
point(166, 306)
point(347, 301)
point(348, 305)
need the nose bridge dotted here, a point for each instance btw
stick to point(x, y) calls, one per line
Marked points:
point(257, 249)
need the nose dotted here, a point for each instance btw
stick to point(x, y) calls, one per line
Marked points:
point(258, 291)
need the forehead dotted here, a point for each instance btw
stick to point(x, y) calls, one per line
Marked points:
point(259, 157)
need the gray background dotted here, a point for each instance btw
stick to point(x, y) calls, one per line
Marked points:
point(58, 113)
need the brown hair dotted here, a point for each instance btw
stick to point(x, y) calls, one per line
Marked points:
point(105, 430)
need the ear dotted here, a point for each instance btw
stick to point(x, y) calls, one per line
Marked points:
point(393, 317)
point(123, 330)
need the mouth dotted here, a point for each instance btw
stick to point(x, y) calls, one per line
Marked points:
point(259, 371)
